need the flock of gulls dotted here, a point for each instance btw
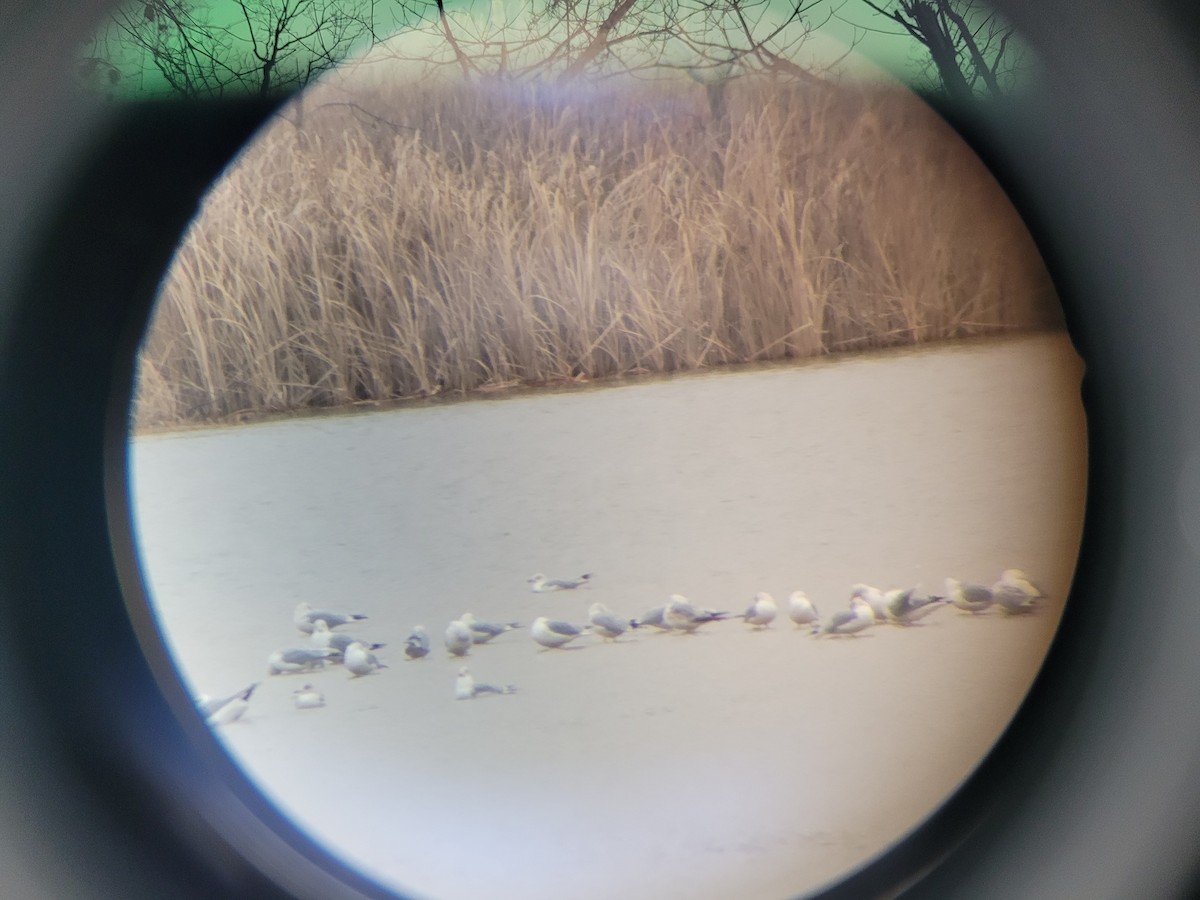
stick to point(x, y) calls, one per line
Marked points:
point(1013, 594)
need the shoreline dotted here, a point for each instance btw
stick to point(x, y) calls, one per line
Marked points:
point(569, 386)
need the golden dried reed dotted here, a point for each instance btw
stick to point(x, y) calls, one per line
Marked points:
point(464, 238)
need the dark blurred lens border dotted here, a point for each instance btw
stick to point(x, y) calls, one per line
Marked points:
point(1095, 789)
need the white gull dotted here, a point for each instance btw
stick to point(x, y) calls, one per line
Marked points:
point(684, 618)
point(467, 688)
point(874, 598)
point(298, 659)
point(223, 710)
point(974, 598)
point(1014, 593)
point(417, 644)
point(361, 661)
point(608, 624)
point(458, 638)
point(907, 608)
point(552, 632)
point(851, 621)
point(800, 609)
point(305, 616)
point(542, 584)
point(308, 697)
point(336, 641)
point(761, 611)
point(482, 632)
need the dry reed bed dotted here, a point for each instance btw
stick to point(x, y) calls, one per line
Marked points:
point(471, 238)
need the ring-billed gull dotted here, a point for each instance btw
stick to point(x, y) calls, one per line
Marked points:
point(297, 659)
point(542, 584)
point(974, 598)
point(336, 641)
point(907, 608)
point(482, 632)
point(849, 621)
point(361, 661)
point(223, 710)
point(308, 697)
point(417, 644)
point(801, 609)
point(305, 616)
point(685, 618)
point(467, 688)
point(874, 598)
point(553, 632)
point(761, 611)
point(608, 624)
point(458, 638)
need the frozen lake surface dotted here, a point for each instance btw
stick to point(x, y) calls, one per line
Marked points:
point(730, 763)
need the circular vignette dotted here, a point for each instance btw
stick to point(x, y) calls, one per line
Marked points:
point(1093, 790)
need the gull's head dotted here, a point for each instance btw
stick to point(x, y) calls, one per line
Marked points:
point(952, 586)
point(320, 627)
point(536, 577)
point(303, 607)
point(420, 629)
point(462, 670)
point(798, 597)
point(467, 618)
point(597, 609)
point(763, 597)
point(677, 598)
point(540, 622)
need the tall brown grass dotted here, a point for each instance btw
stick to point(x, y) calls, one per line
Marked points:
point(453, 238)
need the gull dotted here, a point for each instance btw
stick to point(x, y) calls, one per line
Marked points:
point(1014, 593)
point(361, 661)
point(761, 611)
point(1015, 578)
point(607, 624)
point(336, 640)
point(542, 584)
point(482, 632)
point(974, 598)
point(305, 616)
point(905, 609)
point(801, 609)
point(308, 697)
point(680, 615)
point(874, 598)
point(849, 621)
point(553, 633)
point(458, 638)
point(655, 618)
point(223, 710)
point(297, 659)
point(467, 688)
point(417, 645)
